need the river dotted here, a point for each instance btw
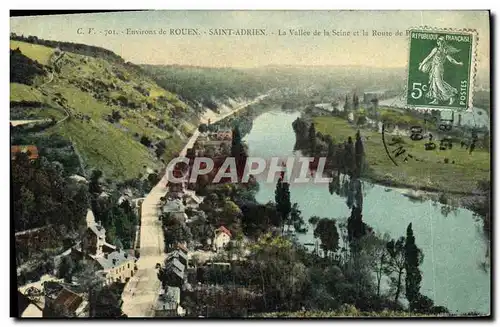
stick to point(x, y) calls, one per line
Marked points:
point(453, 245)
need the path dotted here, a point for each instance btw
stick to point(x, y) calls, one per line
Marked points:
point(28, 121)
point(140, 293)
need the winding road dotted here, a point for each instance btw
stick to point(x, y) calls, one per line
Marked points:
point(140, 293)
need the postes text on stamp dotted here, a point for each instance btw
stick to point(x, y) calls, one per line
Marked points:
point(441, 69)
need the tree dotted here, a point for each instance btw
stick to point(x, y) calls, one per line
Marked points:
point(396, 263)
point(312, 138)
point(95, 181)
point(355, 101)
point(347, 103)
point(92, 284)
point(413, 258)
point(269, 258)
point(66, 268)
point(296, 220)
point(359, 155)
point(376, 250)
point(41, 196)
point(326, 230)
point(356, 228)
point(349, 157)
point(283, 204)
point(231, 215)
point(203, 128)
point(146, 141)
point(108, 301)
point(238, 151)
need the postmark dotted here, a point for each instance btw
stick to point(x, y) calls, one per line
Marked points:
point(439, 131)
point(441, 68)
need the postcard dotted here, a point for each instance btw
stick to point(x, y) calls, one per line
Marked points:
point(251, 164)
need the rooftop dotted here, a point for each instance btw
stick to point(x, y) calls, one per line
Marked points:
point(98, 230)
point(224, 230)
point(113, 259)
point(176, 254)
point(174, 206)
point(32, 150)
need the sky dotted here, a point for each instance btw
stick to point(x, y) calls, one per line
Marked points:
point(254, 51)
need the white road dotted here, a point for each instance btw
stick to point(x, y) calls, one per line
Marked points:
point(27, 122)
point(140, 294)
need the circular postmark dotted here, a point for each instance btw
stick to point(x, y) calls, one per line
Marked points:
point(432, 135)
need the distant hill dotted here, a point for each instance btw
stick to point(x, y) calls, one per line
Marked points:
point(203, 85)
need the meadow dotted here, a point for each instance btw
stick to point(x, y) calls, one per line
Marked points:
point(430, 172)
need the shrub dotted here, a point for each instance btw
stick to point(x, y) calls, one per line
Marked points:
point(145, 141)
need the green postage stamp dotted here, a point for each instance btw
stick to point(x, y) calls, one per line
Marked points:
point(441, 69)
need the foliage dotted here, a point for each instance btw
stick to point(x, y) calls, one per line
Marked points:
point(326, 230)
point(203, 128)
point(283, 204)
point(203, 84)
point(40, 196)
point(413, 258)
point(119, 219)
point(471, 168)
point(175, 231)
point(396, 264)
point(22, 69)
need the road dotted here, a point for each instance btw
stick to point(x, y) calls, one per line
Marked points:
point(140, 293)
point(29, 121)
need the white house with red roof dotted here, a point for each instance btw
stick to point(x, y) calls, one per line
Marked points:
point(221, 238)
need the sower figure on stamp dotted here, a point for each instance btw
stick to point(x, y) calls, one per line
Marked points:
point(433, 65)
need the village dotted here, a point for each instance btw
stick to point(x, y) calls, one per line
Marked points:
point(61, 293)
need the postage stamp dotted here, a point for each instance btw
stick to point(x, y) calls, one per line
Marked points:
point(441, 69)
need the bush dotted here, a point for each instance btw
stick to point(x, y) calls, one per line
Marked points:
point(203, 128)
point(146, 141)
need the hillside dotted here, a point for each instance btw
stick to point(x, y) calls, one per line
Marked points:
point(106, 108)
point(207, 85)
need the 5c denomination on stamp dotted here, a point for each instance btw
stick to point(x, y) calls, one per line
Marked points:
point(441, 69)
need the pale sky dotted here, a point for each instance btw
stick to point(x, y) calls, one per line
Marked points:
point(252, 51)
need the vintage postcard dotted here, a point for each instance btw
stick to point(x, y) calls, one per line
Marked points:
point(251, 164)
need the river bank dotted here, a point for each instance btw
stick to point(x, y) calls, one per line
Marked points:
point(455, 249)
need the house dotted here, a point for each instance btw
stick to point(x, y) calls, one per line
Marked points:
point(182, 248)
point(94, 240)
point(118, 266)
point(61, 301)
point(179, 255)
point(192, 200)
point(222, 238)
point(174, 205)
point(114, 265)
point(168, 304)
point(30, 150)
point(224, 135)
point(175, 272)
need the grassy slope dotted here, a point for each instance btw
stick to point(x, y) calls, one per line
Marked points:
point(113, 148)
point(433, 173)
point(36, 52)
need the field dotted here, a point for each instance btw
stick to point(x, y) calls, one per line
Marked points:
point(36, 52)
point(23, 92)
point(430, 173)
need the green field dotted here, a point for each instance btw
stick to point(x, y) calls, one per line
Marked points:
point(431, 173)
point(36, 52)
point(23, 92)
